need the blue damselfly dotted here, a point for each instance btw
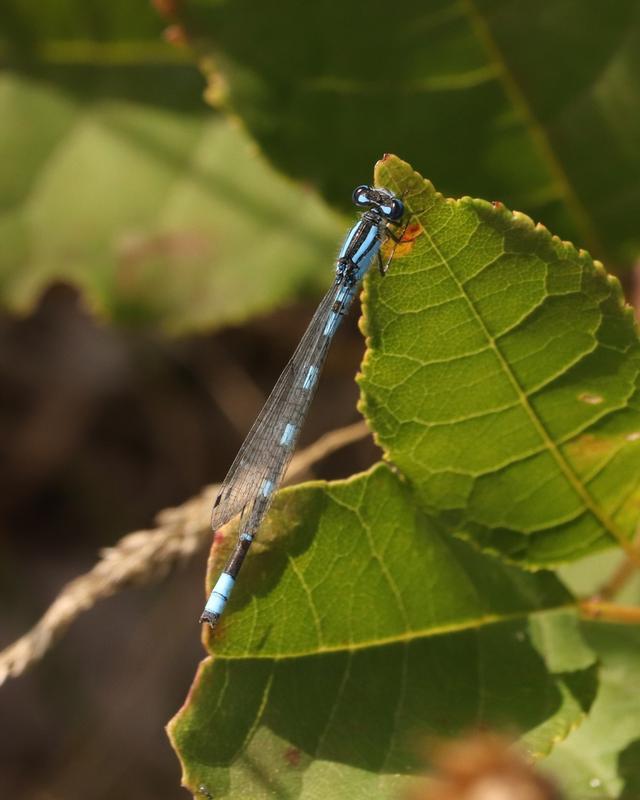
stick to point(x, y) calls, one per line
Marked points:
point(263, 458)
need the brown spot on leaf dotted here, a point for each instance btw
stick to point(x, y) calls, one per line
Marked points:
point(590, 445)
point(167, 8)
point(292, 756)
point(591, 399)
point(405, 245)
point(176, 35)
point(411, 232)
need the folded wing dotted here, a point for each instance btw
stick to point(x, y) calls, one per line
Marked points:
point(266, 452)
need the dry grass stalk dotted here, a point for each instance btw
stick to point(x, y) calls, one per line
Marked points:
point(146, 557)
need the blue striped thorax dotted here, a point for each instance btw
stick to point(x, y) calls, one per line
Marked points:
point(365, 238)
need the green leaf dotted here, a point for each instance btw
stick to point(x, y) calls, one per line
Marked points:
point(96, 51)
point(358, 629)
point(500, 378)
point(538, 108)
point(602, 758)
point(118, 179)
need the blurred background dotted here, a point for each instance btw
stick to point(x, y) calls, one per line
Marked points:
point(156, 274)
point(175, 180)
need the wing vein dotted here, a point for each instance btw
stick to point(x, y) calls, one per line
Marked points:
point(268, 448)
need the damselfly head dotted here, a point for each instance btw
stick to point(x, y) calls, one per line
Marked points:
point(382, 201)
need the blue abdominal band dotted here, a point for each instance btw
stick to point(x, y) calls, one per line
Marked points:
point(220, 594)
point(287, 434)
point(310, 378)
point(332, 323)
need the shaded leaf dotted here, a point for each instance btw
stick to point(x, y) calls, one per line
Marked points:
point(500, 378)
point(358, 629)
point(490, 99)
point(601, 759)
point(118, 179)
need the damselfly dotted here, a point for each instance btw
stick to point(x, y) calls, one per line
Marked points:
point(263, 458)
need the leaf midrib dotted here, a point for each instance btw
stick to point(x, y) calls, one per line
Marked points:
point(407, 637)
point(538, 133)
point(565, 467)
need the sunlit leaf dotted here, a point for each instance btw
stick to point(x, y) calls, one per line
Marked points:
point(501, 379)
point(360, 628)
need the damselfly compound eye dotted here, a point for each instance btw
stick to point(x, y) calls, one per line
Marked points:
point(396, 211)
point(361, 196)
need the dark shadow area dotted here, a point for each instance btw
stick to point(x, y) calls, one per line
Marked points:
point(99, 430)
point(629, 771)
point(430, 687)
